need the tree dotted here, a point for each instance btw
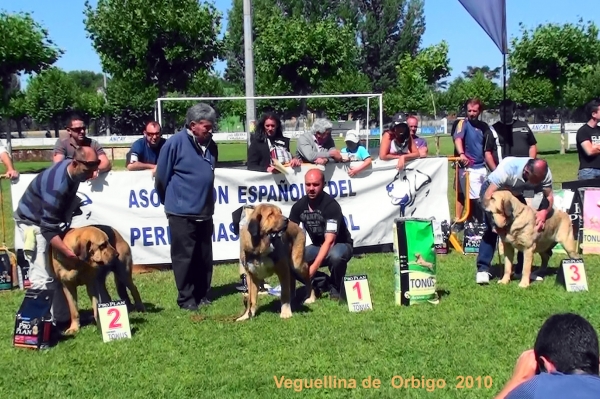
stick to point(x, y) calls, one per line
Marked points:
point(51, 96)
point(562, 54)
point(295, 57)
point(532, 92)
point(386, 31)
point(87, 81)
point(478, 86)
point(383, 30)
point(131, 104)
point(25, 48)
point(162, 43)
point(489, 73)
point(414, 90)
point(16, 110)
point(583, 89)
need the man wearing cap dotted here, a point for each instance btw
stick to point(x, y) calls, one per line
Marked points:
point(397, 143)
point(354, 152)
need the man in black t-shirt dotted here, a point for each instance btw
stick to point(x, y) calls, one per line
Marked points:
point(515, 138)
point(588, 143)
point(332, 244)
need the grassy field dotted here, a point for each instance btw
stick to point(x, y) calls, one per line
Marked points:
point(474, 331)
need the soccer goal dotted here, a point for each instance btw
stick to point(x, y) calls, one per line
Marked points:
point(237, 132)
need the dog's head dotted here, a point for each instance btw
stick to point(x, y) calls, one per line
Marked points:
point(93, 247)
point(265, 219)
point(500, 206)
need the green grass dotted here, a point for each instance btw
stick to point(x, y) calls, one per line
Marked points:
point(474, 331)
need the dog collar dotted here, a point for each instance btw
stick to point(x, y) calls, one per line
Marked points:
point(277, 234)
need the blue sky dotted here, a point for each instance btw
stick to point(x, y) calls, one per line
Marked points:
point(445, 19)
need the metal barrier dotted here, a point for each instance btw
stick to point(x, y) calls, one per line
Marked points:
point(466, 210)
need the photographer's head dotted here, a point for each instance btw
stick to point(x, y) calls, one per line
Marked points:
point(507, 110)
point(567, 343)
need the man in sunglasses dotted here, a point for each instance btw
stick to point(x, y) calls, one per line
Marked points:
point(43, 213)
point(144, 152)
point(65, 148)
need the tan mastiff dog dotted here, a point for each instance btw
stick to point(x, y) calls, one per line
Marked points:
point(272, 244)
point(97, 256)
point(515, 225)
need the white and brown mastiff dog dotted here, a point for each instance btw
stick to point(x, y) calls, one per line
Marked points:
point(515, 224)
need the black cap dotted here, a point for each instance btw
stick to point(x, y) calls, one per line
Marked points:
point(398, 119)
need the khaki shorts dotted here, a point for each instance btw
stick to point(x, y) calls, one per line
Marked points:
point(476, 178)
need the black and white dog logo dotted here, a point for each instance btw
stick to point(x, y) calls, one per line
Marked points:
point(404, 188)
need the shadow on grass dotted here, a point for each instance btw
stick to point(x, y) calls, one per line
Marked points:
point(151, 308)
point(223, 291)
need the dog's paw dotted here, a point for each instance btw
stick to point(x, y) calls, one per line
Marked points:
point(504, 281)
point(140, 308)
point(310, 299)
point(524, 284)
point(286, 312)
point(71, 330)
point(243, 317)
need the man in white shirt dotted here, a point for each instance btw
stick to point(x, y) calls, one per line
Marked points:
point(515, 174)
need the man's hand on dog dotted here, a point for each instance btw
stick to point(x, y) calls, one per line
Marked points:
point(540, 219)
point(69, 254)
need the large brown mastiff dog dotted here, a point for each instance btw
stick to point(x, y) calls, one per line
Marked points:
point(100, 249)
point(272, 244)
point(515, 225)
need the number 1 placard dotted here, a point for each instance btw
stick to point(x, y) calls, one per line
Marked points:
point(114, 320)
point(357, 293)
point(575, 278)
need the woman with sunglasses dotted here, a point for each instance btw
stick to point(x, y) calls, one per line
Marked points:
point(398, 143)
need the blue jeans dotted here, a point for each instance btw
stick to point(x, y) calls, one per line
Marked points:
point(588, 173)
point(336, 260)
point(487, 247)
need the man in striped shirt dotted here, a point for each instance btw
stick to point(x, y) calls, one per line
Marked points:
point(44, 210)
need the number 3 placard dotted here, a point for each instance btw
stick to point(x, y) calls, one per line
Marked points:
point(575, 278)
point(114, 320)
point(358, 295)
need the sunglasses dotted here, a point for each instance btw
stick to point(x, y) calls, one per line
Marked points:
point(152, 134)
point(77, 129)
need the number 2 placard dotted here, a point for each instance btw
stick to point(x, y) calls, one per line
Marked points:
point(357, 293)
point(575, 277)
point(114, 320)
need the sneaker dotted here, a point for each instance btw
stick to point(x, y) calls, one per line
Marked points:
point(243, 287)
point(275, 291)
point(483, 278)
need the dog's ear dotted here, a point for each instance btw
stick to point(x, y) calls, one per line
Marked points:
point(254, 226)
point(507, 208)
point(82, 250)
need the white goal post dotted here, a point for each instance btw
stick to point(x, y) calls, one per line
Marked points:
point(159, 118)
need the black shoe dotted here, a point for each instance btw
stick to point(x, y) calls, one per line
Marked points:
point(192, 307)
point(334, 295)
point(205, 302)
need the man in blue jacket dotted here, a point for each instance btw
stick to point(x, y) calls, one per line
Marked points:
point(184, 182)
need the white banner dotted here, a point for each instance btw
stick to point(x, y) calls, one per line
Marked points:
point(370, 201)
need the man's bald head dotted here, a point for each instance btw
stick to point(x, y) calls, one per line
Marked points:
point(314, 175)
point(85, 163)
point(85, 154)
point(536, 170)
point(314, 182)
